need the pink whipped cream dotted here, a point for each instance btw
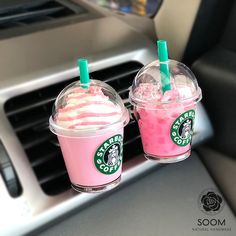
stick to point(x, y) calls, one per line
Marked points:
point(87, 109)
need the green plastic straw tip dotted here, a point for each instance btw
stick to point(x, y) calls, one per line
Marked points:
point(164, 66)
point(84, 74)
point(162, 50)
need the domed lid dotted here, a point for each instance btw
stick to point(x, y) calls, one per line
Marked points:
point(87, 108)
point(93, 110)
point(150, 86)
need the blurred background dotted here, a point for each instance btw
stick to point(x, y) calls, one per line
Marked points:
point(138, 7)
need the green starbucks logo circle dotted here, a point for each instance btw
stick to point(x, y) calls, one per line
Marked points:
point(182, 128)
point(108, 156)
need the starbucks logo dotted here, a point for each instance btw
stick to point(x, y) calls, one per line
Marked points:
point(108, 156)
point(182, 129)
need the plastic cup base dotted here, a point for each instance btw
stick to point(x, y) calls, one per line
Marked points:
point(168, 159)
point(96, 189)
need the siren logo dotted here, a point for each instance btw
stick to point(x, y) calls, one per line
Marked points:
point(182, 129)
point(108, 156)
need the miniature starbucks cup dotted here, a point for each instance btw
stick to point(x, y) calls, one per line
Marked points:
point(165, 116)
point(89, 120)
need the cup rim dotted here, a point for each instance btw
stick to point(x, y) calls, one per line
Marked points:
point(67, 132)
point(196, 97)
point(143, 104)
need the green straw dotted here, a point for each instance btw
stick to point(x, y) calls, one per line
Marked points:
point(164, 66)
point(84, 74)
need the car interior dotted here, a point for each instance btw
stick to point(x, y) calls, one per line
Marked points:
point(40, 41)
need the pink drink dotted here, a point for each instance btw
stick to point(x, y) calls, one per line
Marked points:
point(84, 172)
point(155, 128)
point(165, 119)
point(89, 124)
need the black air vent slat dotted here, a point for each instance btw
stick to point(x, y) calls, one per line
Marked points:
point(45, 172)
point(46, 94)
point(122, 75)
point(44, 159)
point(52, 176)
point(37, 141)
point(132, 149)
point(29, 114)
point(27, 13)
point(57, 185)
point(41, 151)
point(121, 83)
point(130, 141)
point(43, 122)
point(123, 92)
point(110, 73)
point(29, 107)
point(12, 6)
point(131, 131)
point(37, 19)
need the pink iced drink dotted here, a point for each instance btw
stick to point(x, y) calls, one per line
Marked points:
point(89, 123)
point(155, 128)
point(165, 119)
point(155, 122)
point(84, 172)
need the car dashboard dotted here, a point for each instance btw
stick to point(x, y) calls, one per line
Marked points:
point(34, 185)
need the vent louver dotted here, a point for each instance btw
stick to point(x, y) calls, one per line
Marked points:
point(22, 13)
point(29, 114)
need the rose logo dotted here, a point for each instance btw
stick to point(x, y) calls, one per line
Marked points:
point(210, 202)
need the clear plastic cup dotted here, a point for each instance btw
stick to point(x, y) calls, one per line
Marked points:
point(89, 124)
point(166, 119)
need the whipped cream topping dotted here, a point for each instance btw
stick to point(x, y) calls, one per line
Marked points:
point(86, 109)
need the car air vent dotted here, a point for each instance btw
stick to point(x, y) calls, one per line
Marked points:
point(29, 114)
point(22, 13)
